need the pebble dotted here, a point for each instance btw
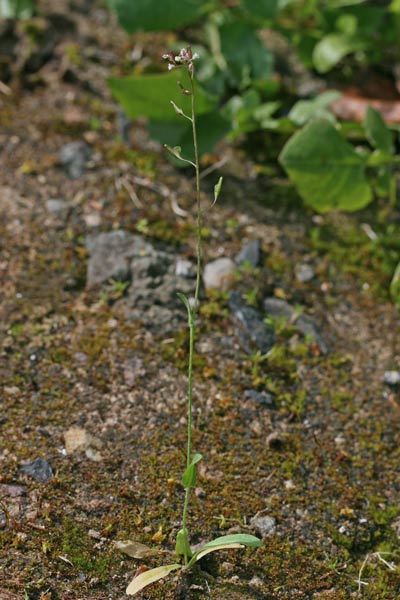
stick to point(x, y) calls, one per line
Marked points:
point(39, 469)
point(184, 268)
point(252, 330)
point(262, 398)
point(57, 207)
point(219, 274)
point(304, 272)
point(73, 157)
point(249, 254)
point(263, 525)
point(123, 125)
point(133, 369)
point(109, 256)
point(392, 378)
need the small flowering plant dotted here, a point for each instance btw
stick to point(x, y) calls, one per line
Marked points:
point(184, 553)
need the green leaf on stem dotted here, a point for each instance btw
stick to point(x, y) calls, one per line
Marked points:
point(226, 542)
point(148, 577)
point(186, 302)
point(182, 545)
point(190, 474)
point(217, 189)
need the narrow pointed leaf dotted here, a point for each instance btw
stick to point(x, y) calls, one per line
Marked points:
point(227, 542)
point(186, 302)
point(148, 577)
point(217, 189)
point(206, 551)
point(190, 475)
point(235, 538)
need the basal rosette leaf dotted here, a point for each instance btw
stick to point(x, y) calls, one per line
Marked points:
point(148, 577)
point(226, 542)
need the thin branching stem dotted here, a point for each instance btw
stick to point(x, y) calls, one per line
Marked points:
point(192, 311)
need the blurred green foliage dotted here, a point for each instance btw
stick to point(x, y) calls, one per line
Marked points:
point(241, 79)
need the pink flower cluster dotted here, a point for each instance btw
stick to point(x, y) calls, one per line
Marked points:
point(185, 57)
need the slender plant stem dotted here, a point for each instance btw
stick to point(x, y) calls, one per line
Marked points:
point(192, 311)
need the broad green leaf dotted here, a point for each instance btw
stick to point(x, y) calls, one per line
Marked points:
point(332, 48)
point(153, 15)
point(226, 542)
point(395, 6)
point(246, 56)
point(378, 133)
point(182, 545)
point(148, 95)
point(264, 9)
point(148, 577)
point(326, 169)
point(217, 189)
point(395, 287)
point(189, 475)
point(17, 9)
point(304, 110)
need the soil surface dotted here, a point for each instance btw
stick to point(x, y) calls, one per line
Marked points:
point(300, 441)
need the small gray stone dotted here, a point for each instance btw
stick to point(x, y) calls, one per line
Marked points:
point(39, 469)
point(263, 525)
point(133, 369)
point(250, 254)
point(304, 272)
point(57, 207)
point(111, 254)
point(392, 378)
point(73, 157)
point(123, 125)
point(218, 274)
point(153, 294)
point(184, 268)
point(252, 331)
point(262, 398)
